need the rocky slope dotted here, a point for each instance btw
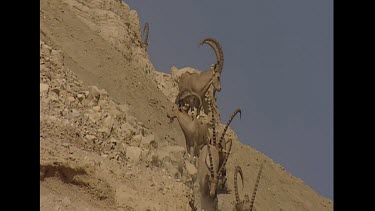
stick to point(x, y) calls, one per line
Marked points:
point(105, 140)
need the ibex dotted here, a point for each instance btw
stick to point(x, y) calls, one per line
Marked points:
point(242, 205)
point(223, 152)
point(195, 131)
point(145, 41)
point(208, 169)
point(210, 172)
point(200, 82)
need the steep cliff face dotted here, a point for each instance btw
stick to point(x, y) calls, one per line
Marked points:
point(106, 142)
point(116, 23)
point(95, 60)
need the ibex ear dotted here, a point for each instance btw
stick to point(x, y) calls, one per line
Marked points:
point(214, 67)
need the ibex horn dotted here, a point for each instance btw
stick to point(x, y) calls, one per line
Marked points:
point(213, 124)
point(147, 29)
point(218, 51)
point(226, 157)
point(236, 171)
point(191, 93)
point(255, 188)
point(227, 125)
point(210, 159)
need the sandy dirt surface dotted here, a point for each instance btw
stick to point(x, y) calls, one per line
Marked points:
point(106, 142)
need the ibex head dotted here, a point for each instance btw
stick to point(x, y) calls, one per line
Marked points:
point(218, 67)
point(239, 203)
point(242, 205)
point(216, 78)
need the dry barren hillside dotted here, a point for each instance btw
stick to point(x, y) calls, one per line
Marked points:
point(106, 142)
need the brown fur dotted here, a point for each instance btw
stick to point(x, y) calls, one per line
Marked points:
point(195, 131)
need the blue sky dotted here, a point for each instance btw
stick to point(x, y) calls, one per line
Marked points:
point(278, 68)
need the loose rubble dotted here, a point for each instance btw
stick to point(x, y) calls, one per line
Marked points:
point(85, 117)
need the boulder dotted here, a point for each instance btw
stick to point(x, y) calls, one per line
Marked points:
point(133, 154)
point(94, 93)
point(136, 140)
point(132, 121)
point(93, 116)
point(176, 153)
point(146, 141)
point(108, 122)
point(90, 138)
point(57, 58)
point(96, 108)
point(80, 97)
point(191, 169)
point(44, 88)
point(74, 113)
point(70, 99)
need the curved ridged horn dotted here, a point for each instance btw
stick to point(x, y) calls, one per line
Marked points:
point(226, 157)
point(236, 171)
point(213, 123)
point(255, 188)
point(190, 94)
point(212, 175)
point(227, 125)
point(147, 29)
point(191, 203)
point(218, 51)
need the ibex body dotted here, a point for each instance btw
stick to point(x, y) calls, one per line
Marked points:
point(200, 82)
point(210, 171)
point(195, 131)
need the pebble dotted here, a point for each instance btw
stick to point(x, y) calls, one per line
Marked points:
point(43, 88)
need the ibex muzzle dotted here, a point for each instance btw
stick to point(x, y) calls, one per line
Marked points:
point(216, 78)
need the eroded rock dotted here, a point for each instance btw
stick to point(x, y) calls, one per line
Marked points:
point(133, 154)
